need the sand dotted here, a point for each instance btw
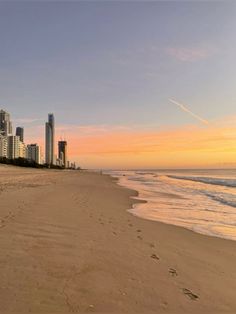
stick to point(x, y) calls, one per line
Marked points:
point(68, 244)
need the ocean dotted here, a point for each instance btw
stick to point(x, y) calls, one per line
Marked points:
point(201, 200)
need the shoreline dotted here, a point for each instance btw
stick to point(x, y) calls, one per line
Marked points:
point(145, 213)
point(69, 243)
point(137, 201)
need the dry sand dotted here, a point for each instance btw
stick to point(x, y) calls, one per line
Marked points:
point(67, 244)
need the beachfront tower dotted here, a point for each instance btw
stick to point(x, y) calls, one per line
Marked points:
point(62, 153)
point(3, 146)
point(33, 153)
point(49, 140)
point(5, 123)
point(20, 133)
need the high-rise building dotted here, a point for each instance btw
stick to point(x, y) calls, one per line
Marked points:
point(5, 123)
point(62, 153)
point(22, 150)
point(33, 153)
point(20, 133)
point(3, 146)
point(49, 140)
point(13, 146)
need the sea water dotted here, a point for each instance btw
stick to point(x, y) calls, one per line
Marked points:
point(201, 200)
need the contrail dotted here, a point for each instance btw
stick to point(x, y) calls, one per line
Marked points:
point(181, 106)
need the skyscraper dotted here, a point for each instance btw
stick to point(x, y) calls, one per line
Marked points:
point(62, 152)
point(20, 133)
point(5, 123)
point(49, 140)
point(13, 147)
point(3, 146)
point(33, 153)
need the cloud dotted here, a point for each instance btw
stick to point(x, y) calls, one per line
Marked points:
point(116, 140)
point(87, 130)
point(184, 108)
point(190, 54)
point(188, 146)
point(28, 120)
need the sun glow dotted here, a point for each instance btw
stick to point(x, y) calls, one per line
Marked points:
point(191, 146)
point(185, 147)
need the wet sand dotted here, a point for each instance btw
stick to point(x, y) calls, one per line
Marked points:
point(68, 244)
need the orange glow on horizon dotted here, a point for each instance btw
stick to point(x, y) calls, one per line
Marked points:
point(210, 146)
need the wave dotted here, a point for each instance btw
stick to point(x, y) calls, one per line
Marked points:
point(207, 180)
point(206, 206)
point(143, 173)
point(222, 199)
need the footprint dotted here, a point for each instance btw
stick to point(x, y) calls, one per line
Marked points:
point(189, 293)
point(130, 225)
point(173, 272)
point(152, 245)
point(154, 256)
point(139, 237)
point(139, 230)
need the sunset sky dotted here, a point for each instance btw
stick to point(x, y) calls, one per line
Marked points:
point(131, 84)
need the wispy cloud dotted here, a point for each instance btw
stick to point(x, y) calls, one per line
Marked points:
point(184, 108)
point(190, 54)
point(92, 129)
point(28, 120)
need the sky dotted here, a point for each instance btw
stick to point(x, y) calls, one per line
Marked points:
point(134, 84)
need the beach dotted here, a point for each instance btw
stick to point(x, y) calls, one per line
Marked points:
point(69, 244)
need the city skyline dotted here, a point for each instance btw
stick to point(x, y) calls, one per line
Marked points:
point(93, 137)
point(131, 75)
point(13, 146)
